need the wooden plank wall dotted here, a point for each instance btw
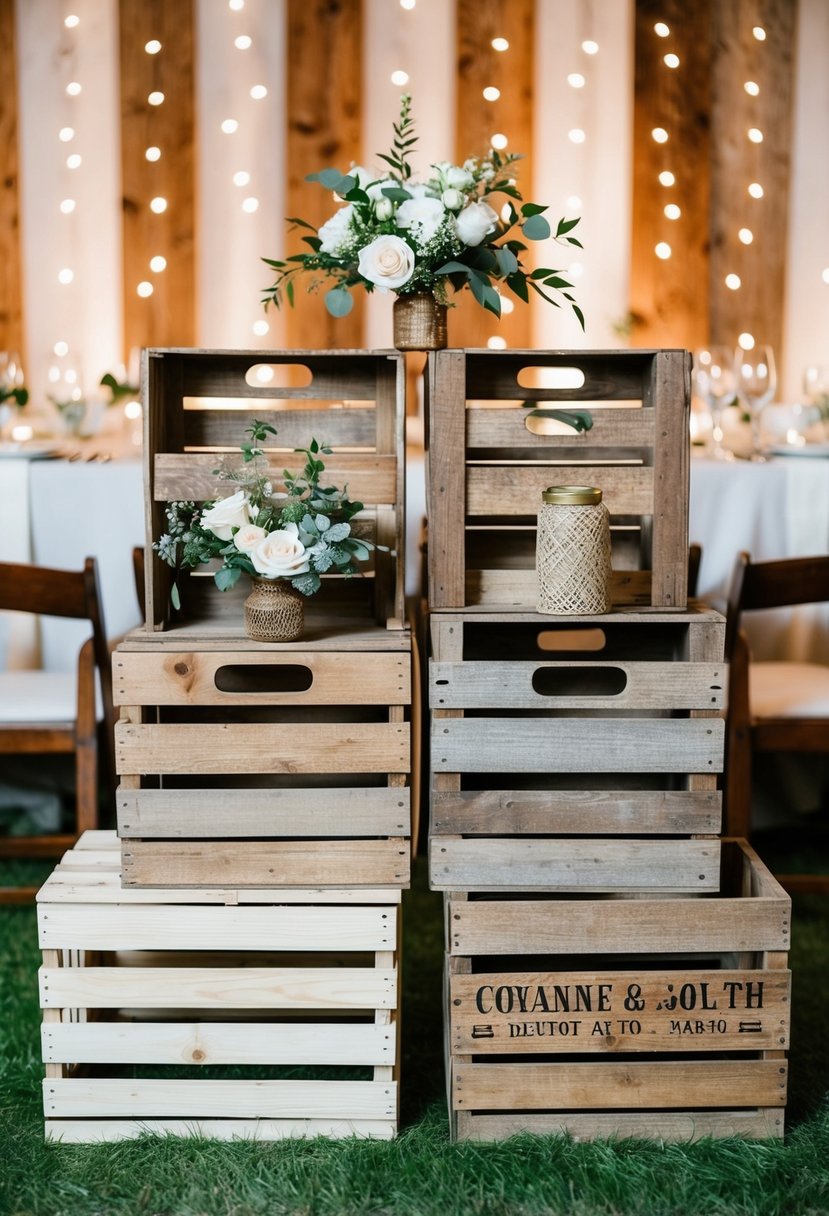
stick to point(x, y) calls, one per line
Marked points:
point(476, 119)
point(168, 316)
point(11, 306)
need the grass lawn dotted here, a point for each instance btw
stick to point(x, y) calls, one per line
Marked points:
point(421, 1172)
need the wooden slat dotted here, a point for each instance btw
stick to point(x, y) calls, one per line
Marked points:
point(156, 678)
point(575, 812)
point(215, 928)
point(263, 748)
point(702, 1083)
point(258, 863)
point(516, 490)
point(664, 1126)
point(192, 814)
point(206, 425)
point(670, 384)
point(609, 375)
point(477, 120)
point(11, 278)
point(668, 297)
point(518, 588)
point(167, 317)
point(217, 988)
point(675, 1010)
point(190, 475)
point(476, 685)
point(584, 866)
point(226, 1099)
point(94, 1131)
point(446, 490)
point(324, 100)
point(205, 1043)
point(577, 745)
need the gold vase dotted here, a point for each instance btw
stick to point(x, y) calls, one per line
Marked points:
point(419, 322)
point(274, 611)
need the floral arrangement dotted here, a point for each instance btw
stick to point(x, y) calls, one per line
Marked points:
point(403, 236)
point(296, 535)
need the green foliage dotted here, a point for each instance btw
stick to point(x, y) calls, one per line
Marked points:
point(18, 395)
point(119, 391)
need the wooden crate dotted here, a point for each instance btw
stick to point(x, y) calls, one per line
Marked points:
point(491, 453)
point(197, 404)
point(576, 755)
point(260, 765)
point(223, 1014)
point(663, 1018)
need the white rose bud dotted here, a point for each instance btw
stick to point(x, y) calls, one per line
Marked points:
point(475, 222)
point(228, 513)
point(387, 261)
point(458, 178)
point(452, 200)
point(384, 209)
point(280, 554)
point(248, 537)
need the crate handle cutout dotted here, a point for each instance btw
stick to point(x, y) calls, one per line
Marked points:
point(542, 421)
point(579, 681)
point(571, 639)
point(243, 677)
point(279, 375)
point(550, 377)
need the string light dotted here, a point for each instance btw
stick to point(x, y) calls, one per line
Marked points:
point(73, 88)
point(156, 98)
point(576, 80)
point(499, 141)
point(67, 206)
point(74, 161)
point(755, 135)
point(153, 154)
point(733, 281)
point(746, 341)
point(152, 47)
point(756, 190)
point(663, 250)
point(659, 135)
point(746, 236)
point(824, 274)
point(241, 178)
point(145, 288)
point(158, 263)
point(759, 33)
point(672, 211)
point(671, 60)
point(61, 349)
point(242, 43)
point(230, 126)
point(666, 178)
point(590, 47)
point(497, 342)
point(66, 134)
point(258, 92)
point(250, 205)
point(400, 78)
point(158, 205)
point(661, 29)
point(260, 328)
point(71, 21)
point(408, 4)
point(490, 92)
point(498, 44)
point(66, 275)
point(752, 88)
point(573, 203)
point(236, 5)
point(576, 136)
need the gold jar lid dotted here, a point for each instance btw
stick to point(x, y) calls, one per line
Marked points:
point(581, 496)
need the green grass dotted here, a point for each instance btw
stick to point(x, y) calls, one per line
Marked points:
point(421, 1172)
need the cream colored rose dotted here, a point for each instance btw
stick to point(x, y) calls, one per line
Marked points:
point(226, 514)
point(280, 554)
point(387, 261)
point(422, 216)
point(248, 536)
point(475, 222)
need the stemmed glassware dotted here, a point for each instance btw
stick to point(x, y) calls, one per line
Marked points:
point(716, 383)
point(756, 386)
point(13, 393)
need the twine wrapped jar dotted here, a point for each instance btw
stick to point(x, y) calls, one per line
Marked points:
point(573, 551)
point(419, 322)
point(274, 611)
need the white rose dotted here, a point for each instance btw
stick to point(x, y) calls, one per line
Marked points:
point(422, 216)
point(452, 200)
point(387, 261)
point(384, 209)
point(226, 514)
point(248, 536)
point(334, 232)
point(457, 178)
point(475, 222)
point(280, 554)
point(375, 190)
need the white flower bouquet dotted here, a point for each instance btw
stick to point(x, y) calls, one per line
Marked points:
point(399, 235)
point(296, 535)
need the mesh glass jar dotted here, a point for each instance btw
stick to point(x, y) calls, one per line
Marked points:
point(573, 551)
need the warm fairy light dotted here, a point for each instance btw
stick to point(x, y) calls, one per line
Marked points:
point(752, 88)
point(54, 374)
point(243, 42)
point(67, 206)
point(824, 274)
point(576, 136)
point(671, 60)
point(755, 135)
point(590, 47)
point(759, 33)
point(158, 204)
point(496, 342)
point(21, 433)
point(408, 4)
point(746, 236)
point(573, 203)
point(153, 153)
point(229, 126)
point(236, 5)
point(661, 29)
point(498, 44)
point(61, 349)
point(746, 341)
point(666, 178)
point(576, 80)
point(662, 250)
point(490, 92)
point(399, 77)
point(260, 328)
point(158, 263)
point(756, 190)
point(152, 47)
point(241, 178)
point(660, 135)
point(499, 141)
point(156, 98)
point(672, 212)
point(66, 275)
point(132, 409)
point(258, 92)
point(575, 270)
point(66, 134)
point(250, 205)
point(71, 21)
point(507, 306)
point(145, 288)
point(74, 161)
point(73, 88)
point(733, 282)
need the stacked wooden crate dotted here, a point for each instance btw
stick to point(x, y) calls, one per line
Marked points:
point(609, 968)
point(273, 779)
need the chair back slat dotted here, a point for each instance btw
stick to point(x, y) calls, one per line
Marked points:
point(43, 591)
point(802, 580)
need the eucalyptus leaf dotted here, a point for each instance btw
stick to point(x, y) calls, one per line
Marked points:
point(338, 301)
point(227, 577)
point(336, 532)
point(536, 228)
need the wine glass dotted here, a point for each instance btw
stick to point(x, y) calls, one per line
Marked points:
point(756, 386)
point(816, 391)
point(715, 382)
point(13, 393)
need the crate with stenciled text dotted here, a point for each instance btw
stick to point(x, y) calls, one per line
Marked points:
point(505, 425)
point(219, 1013)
